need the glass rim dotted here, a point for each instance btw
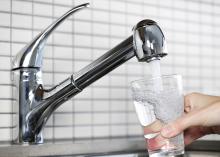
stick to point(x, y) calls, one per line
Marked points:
point(154, 78)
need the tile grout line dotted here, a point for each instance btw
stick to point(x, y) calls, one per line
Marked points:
point(109, 76)
point(73, 67)
point(11, 77)
point(53, 77)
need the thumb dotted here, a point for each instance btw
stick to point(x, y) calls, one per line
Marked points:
point(194, 118)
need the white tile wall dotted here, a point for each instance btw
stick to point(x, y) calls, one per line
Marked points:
point(105, 109)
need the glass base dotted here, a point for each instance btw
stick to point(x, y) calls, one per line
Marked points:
point(165, 153)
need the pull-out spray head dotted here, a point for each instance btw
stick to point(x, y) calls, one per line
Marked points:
point(149, 41)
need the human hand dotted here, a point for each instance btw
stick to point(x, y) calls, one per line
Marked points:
point(201, 118)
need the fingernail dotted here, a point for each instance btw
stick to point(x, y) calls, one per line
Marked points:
point(167, 131)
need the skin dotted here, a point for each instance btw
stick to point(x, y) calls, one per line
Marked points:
point(201, 117)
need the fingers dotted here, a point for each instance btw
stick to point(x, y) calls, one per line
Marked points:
point(205, 117)
point(188, 103)
point(153, 127)
point(194, 101)
point(194, 133)
point(153, 139)
point(156, 143)
point(182, 123)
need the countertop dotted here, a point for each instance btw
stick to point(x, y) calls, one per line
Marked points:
point(95, 148)
point(83, 148)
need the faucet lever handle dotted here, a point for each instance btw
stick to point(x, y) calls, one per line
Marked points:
point(32, 54)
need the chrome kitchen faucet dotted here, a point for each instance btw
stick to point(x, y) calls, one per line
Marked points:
point(34, 104)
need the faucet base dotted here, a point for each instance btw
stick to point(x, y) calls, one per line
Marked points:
point(37, 140)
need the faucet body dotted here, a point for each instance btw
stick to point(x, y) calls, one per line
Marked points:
point(34, 104)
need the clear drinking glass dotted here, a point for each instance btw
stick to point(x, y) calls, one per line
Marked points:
point(159, 101)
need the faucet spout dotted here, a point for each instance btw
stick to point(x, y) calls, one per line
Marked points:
point(34, 104)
